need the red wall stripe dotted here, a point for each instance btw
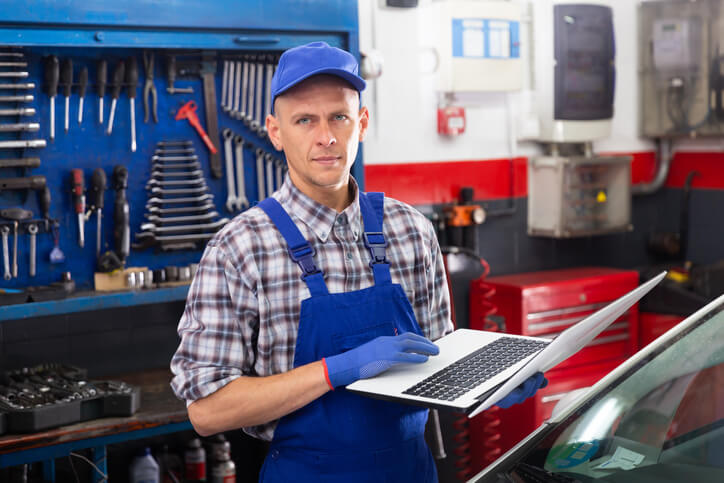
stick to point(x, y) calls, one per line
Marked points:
point(440, 182)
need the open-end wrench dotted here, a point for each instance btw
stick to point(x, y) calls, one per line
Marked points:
point(157, 173)
point(189, 183)
point(32, 232)
point(244, 89)
point(249, 114)
point(260, 173)
point(172, 201)
point(169, 159)
point(237, 90)
point(184, 191)
point(192, 166)
point(280, 173)
point(259, 99)
point(184, 228)
point(242, 202)
point(147, 239)
point(224, 85)
point(229, 91)
point(174, 144)
point(267, 94)
point(23, 143)
point(231, 199)
point(160, 220)
point(269, 159)
point(23, 86)
point(24, 111)
point(21, 98)
point(5, 230)
point(158, 211)
point(163, 152)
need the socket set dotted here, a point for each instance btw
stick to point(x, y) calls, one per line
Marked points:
point(50, 395)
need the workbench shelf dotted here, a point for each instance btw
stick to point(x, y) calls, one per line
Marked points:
point(88, 301)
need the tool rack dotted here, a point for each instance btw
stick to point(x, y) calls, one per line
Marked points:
point(90, 30)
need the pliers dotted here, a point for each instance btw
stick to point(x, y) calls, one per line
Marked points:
point(149, 88)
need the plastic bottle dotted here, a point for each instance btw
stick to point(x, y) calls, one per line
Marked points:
point(144, 468)
point(223, 469)
point(195, 461)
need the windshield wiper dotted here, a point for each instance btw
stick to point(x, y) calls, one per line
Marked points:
point(538, 474)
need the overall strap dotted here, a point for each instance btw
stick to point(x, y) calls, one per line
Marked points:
point(297, 246)
point(373, 212)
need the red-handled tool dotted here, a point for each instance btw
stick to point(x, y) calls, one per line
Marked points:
point(188, 112)
point(78, 190)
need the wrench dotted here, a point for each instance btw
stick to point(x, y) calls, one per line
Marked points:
point(6, 252)
point(267, 94)
point(159, 220)
point(269, 173)
point(231, 199)
point(197, 173)
point(250, 106)
point(153, 210)
point(193, 166)
point(15, 249)
point(237, 90)
point(184, 191)
point(229, 90)
point(32, 231)
point(161, 159)
point(168, 201)
point(280, 175)
point(224, 85)
point(244, 89)
point(183, 228)
point(260, 173)
point(162, 152)
point(241, 201)
point(176, 182)
point(256, 121)
point(25, 111)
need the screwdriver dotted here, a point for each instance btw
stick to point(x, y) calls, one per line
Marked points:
point(121, 228)
point(82, 85)
point(78, 191)
point(102, 75)
point(118, 74)
point(66, 79)
point(98, 188)
point(51, 88)
point(44, 203)
point(132, 84)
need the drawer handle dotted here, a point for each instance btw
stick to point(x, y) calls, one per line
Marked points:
point(257, 40)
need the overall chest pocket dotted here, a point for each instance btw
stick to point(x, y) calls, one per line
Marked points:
point(349, 340)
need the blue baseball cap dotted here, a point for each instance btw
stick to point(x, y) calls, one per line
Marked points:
point(300, 63)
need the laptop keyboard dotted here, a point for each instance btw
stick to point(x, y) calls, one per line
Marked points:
point(475, 368)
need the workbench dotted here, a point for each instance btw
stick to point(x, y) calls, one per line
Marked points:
point(160, 413)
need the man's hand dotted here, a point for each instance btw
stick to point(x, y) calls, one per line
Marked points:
point(524, 391)
point(377, 356)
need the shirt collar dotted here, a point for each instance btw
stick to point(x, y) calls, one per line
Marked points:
point(318, 217)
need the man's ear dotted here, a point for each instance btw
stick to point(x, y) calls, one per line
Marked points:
point(272, 129)
point(364, 122)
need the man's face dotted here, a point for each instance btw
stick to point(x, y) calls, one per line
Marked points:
point(319, 125)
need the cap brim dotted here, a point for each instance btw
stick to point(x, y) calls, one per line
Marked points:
point(357, 82)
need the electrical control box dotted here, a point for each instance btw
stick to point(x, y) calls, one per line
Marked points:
point(478, 45)
point(680, 68)
point(579, 195)
point(573, 61)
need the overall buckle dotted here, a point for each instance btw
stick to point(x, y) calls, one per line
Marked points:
point(304, 257)
point(376, 243)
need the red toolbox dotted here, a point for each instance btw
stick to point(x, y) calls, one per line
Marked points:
point(545, 303)
point(652, 325)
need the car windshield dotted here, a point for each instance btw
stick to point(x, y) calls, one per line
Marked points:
point(661, 421)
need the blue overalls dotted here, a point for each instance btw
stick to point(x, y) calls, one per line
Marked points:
point(342, 436)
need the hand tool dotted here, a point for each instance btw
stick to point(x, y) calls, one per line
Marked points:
point(32, 233)
point(171, 201)
point(35, 182)
point(14, 75)
point(280, 175)
point(56, 254)
point(78, 192)
point(260, 173)
point(101, 79)
point(157, 158)
point(248, 115)
point(132, 85)
point(237, 91)
point(23, 98)
point(164, 152)
point(156, 210)
point(121, 218)
point(267, 93)
point(5, 230)
point(188, 112)
point(168, 144)
point(82, 86)
point(66, 80)
point(158, 220)
point(184, 228)
point(17, 215)
point(23, 143)
point(20, 127)
point(183, 191)
point(196, 173)
point(244, 89)
point(18, 55)
point(256, 123)
point(224, 85)
point(51, 74)
point(171, 74)
point(20, 163)
point(13, 64)
point(269, 159)
point(148, 239)
point(44, 203)
point(98, 189)
point(208, 72)
point(231, 199)
point(178, 182)
point(119, 74)
point(229, 100)
point(160, 166)
point(23, 85)
point(242, 202)
point(30, 111)
point(149, 90)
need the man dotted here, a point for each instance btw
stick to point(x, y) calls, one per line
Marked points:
point(317, 287)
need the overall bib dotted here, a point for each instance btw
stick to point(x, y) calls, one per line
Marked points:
point(345, 437)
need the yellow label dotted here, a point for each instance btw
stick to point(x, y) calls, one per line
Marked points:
point(601, 197)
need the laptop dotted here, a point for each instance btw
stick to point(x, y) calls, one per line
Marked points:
point(475, 369)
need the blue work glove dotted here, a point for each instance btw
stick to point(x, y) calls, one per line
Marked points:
point(524, 391)
point(377, 356)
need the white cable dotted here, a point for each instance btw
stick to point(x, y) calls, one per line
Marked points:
point(105, 476)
